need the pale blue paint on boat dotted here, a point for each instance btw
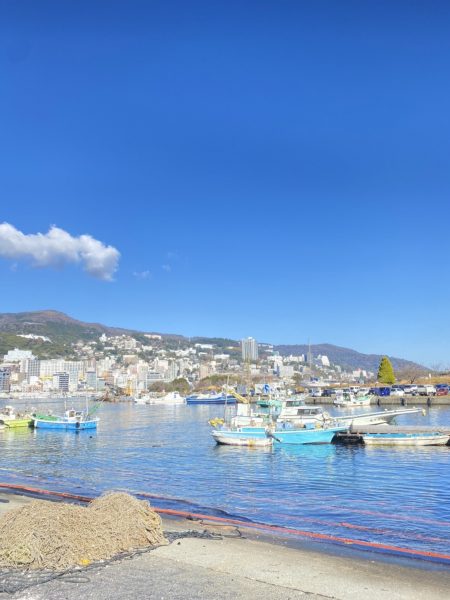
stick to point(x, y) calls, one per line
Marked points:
point(305, 436)
point(283, 436)
point(65, 425)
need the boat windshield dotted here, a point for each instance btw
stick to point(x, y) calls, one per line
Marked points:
point(291, 403)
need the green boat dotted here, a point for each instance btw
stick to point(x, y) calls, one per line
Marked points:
point(13, 423)
point(10, 419)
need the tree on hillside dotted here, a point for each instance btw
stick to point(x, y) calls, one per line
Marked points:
point(385, 371)
point(181, 385)
point(410, 374)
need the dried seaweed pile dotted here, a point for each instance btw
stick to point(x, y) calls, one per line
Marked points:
point(46, 535)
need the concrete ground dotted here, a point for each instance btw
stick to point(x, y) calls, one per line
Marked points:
point(240, 568)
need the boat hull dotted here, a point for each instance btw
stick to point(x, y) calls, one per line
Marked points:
point(212, 400)
point(162, 402)
point(257, 435)
point(375, 418)
point(405, 439)
point(15, 423)
point(305, 436)
point(241, 438)
point(65, 425)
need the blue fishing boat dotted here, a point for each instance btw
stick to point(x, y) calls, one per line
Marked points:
point(72, 420)
point(255, 436)
point(213, 398)
point(305, 435)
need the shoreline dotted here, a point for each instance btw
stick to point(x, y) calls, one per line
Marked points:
point(278, 534)
point(272, 534)
point(249, 563)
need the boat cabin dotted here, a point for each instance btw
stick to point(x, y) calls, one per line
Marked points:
point(302, 413)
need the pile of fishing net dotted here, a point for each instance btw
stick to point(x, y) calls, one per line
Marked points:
point(48, 535)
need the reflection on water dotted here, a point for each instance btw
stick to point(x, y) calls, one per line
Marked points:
point(398, 496)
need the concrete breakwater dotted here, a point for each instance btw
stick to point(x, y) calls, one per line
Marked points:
point(393, 400)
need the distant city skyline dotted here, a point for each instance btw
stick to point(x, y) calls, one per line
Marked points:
point(280, 171)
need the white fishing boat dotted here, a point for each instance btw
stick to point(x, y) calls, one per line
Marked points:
point(142, 400)
point(296, 412)
point(252, 437)
point(380, 417)
point(433, 438)
point(349, 399)
point(168, 399)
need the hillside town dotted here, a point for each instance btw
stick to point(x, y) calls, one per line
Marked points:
point(130, 366)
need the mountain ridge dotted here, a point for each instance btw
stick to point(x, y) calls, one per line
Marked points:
point(347, 357)
point(63, 330)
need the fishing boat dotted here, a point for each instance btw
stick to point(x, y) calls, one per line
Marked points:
point(170, 398)
point(349, 399)
point(279, 433)
point(380, 417)
point(424, 438)
point(142, 400)
point(298, 413)
point(259, 415)
point(11, 419)
point(211, 398)
point(253, 437)
point(287, 434)
point(72, 419)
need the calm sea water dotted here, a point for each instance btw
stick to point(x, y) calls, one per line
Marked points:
point(393, 496)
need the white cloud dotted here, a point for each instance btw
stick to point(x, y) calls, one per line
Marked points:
point(166, 268)
point(142, 274)
point(57, 248)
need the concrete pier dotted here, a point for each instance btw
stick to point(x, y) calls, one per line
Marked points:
point(392, 401)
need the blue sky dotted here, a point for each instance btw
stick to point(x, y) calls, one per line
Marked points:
point(275, 169)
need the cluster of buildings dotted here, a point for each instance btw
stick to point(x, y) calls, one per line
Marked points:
point(132, 365)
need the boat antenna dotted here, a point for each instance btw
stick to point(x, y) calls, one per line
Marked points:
point(226, 398)
point(310, 358)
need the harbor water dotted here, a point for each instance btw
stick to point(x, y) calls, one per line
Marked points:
point(385, 495)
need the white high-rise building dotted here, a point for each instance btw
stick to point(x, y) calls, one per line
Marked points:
point(249, 349)
point(17, 355)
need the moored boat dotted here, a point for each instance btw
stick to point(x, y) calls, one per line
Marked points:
point(142, 399)
point(279, 434)
point(213, 398)
point(424, 438)
point(300, 414)
point(72, 420)
point(9, 418)
point(305, 435)
point(349, 399)
point(379, 417)
point(14, 423)
point(242, 436)
point(169, 398)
